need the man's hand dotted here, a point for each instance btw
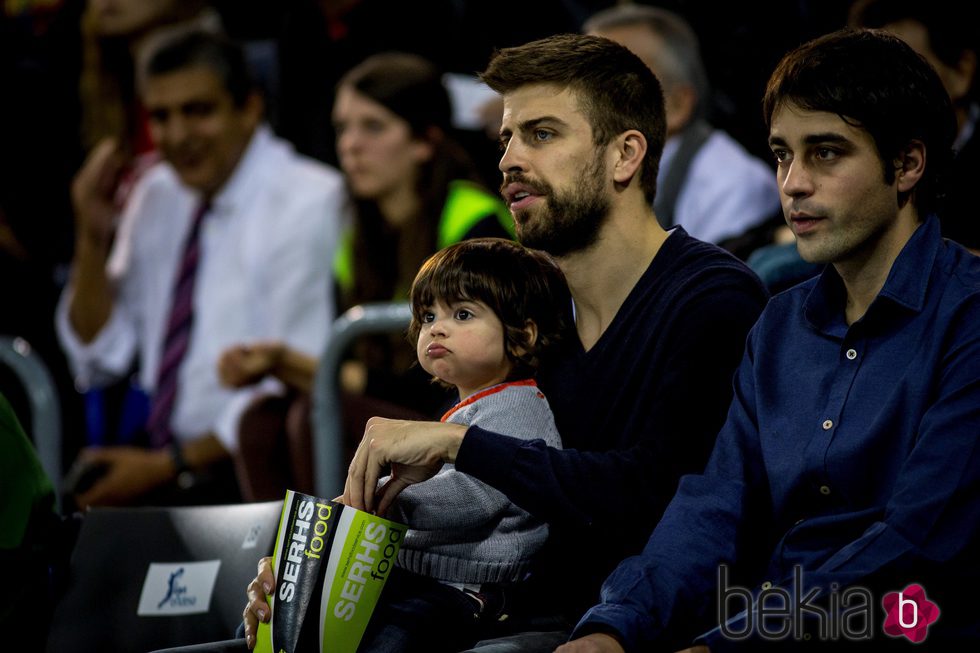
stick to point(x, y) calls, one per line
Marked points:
point(258, 608)
point(131, 472)
point(93, 192)
point(414, 450)
point(243, 365)
point(93, 200)
point(594, 643)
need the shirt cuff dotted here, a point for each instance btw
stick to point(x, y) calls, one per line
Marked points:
point(104, 359)
point(229, 421)
point(621, 622)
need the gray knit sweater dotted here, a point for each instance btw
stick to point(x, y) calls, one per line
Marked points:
point(461, 530)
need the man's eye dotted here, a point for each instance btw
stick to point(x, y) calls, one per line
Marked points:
point(463, 314)
point(826, 154)
point(542, 134)
point(374, 126)
point(199, 109)
point(780, 155)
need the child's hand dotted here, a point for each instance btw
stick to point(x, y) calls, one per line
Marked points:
point(244, 365)
point(258, 608)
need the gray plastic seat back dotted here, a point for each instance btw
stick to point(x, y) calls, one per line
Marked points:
point(34, 377)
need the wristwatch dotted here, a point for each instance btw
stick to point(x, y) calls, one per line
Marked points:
point(184, 475)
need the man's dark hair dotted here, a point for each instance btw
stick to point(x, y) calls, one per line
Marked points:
point(517, 283)
point(616, 90)
point(876, 82)
point(200, 49)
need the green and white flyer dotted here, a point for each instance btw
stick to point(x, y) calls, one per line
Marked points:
point(331, 562)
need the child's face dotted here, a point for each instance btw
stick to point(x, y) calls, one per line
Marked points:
point(462, 343)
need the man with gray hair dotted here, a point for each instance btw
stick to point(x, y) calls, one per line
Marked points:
point(708, 183)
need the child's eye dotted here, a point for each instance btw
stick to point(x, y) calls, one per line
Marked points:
point(463, 314)
point(428, 316)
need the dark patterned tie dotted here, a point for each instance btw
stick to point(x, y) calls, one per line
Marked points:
point(177, 337)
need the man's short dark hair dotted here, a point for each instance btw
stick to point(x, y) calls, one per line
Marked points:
point(515, 282)
point(616, 89)
point(201, 49)
point(876, 82)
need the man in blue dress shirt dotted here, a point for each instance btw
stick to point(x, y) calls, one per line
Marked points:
point(842, 499)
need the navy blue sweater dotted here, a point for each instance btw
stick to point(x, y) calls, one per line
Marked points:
point(636, 412)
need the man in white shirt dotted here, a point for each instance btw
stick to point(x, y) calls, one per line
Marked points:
point(708, 183)
point(261, 262)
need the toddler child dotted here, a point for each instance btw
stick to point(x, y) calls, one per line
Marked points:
point(484, 313)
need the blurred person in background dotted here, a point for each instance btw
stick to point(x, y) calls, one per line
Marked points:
point(228, 238)
point(115, 34)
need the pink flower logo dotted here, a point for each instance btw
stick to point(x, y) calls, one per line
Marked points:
point(909, 613)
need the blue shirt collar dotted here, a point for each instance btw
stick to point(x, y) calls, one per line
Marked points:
point(905, 286)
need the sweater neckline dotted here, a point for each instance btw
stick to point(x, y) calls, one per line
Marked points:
point(494, 389)
point(650, 279)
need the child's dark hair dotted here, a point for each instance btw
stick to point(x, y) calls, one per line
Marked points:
point(518, 284)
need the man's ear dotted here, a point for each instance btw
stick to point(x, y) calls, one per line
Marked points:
point(253, 109)
point(631, 147)
point(910, 166)
point(679, 105)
